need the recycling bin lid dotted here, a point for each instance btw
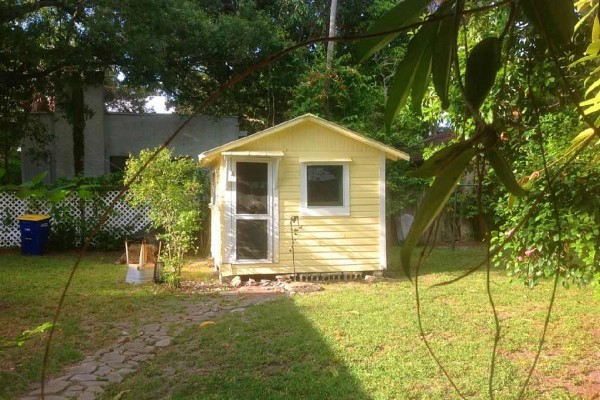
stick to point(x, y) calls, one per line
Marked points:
point(33, 217)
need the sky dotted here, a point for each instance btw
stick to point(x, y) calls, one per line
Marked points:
point(158, 103)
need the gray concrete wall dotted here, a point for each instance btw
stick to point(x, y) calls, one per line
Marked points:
point(118, 134)
point(62, 149)
point(93, 145)
point(129, 133)
point(30, 167)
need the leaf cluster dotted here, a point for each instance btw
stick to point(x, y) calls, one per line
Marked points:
point(172, 189)
point(433, 52)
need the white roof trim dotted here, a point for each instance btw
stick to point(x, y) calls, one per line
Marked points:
point(208, 156)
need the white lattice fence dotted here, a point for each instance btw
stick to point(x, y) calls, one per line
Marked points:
point(122, 216)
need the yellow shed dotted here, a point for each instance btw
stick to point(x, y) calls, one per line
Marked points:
point(307, 173)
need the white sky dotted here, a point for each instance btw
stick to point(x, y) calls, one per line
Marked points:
point(158, 103)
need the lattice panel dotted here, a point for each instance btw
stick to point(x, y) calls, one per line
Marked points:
point(10, 208)
point(122, 216)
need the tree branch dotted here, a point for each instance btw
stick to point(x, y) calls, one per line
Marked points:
point(10, 13)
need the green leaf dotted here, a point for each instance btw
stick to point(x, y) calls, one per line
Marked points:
point(504, 173)
point(510, 203)
point(593, 86)
point(584, 18)
point(2, 172)
point(555, 19)
point(592, 109)
point(35, 180)
point(482, 67)
point(400, 88)
point(407, 70)
point(421, 80)
point(579, 140)
point(406, 12)
point(580, 5)
point(582, 137)
point(85, 194)
point(593, 48)
point(57, 195)
point(582, 60)
point(441, 159)
point(442, 59)
point(433, 203)
point(593, 100)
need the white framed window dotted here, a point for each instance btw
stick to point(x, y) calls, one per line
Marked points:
point(324, 188)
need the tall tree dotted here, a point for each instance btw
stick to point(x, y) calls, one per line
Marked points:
point(330, 53)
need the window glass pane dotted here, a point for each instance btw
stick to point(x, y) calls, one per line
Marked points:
point(325, 185)
point(252, 243)
point(251, 188)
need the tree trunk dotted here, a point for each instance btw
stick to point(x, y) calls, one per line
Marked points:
point(329, 56)
point(77, 111)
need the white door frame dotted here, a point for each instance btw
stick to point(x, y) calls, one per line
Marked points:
point(231, 216)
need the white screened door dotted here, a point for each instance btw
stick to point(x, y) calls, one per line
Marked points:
point(253, 212)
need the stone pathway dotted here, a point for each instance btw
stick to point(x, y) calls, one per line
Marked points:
point(87, 379)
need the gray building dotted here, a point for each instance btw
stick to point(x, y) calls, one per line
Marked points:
point(111, 137)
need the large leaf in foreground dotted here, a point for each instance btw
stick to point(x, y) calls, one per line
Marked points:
point(413, 64)
point(402, 14)
point(482, 66)
point(421, 80)
point(442, 59)
point(433, 203)
point(441, 159)
point(555, 19)
point(504, 173)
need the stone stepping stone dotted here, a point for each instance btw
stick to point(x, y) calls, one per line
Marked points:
point(113, 358)
point(86, 368)
point(83, 378)
point(87, 380)
point(53, 387)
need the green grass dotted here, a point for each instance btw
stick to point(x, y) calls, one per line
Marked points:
point(349, 341)
point(360, 341)
point(97, 306)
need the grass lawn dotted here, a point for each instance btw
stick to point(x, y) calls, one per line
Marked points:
point(349, 341)
point(98, 307)
point(360, 341)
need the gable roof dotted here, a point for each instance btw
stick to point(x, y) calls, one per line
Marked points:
point(209, 156)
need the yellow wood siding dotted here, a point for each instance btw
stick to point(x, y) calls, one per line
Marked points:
point(323, 244)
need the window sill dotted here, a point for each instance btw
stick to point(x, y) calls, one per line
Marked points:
point(325, 211)
point(248, 262)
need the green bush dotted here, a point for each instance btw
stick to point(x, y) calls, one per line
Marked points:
point(172, 189)
point(532, 253)
point(69, 227)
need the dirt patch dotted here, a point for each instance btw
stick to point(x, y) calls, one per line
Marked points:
point(585, 385)
point(583, 378)
point(10, 251)
point(579, 380)
point(590, 324)
point(520, 356)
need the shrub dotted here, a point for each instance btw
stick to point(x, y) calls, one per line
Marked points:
point(172, 189)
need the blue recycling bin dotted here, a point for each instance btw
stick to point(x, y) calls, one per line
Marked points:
point(35, 230)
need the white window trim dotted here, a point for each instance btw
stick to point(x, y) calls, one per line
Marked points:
point(324, 211)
